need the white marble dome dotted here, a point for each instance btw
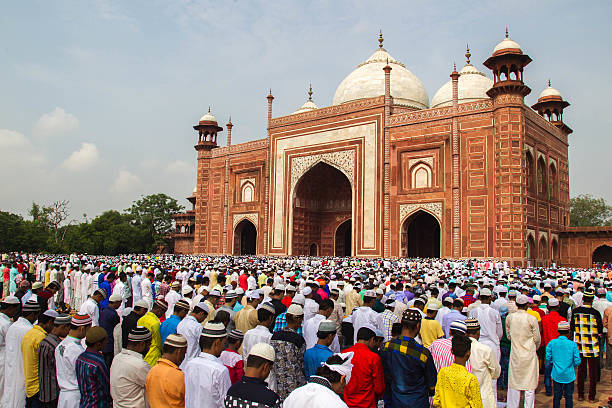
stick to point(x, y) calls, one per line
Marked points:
point(550, 91)
point(473, 85)
point(208, 117)
point(368, 81)
point(506, 44)
point(308, 106)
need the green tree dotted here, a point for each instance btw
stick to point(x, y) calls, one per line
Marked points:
point(588, 211)
point(154, 212)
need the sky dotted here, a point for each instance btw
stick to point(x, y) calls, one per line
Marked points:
point(98, 98)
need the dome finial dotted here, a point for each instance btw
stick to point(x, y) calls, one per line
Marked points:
point(454, 66)
point(549, 82)
point(380, 39)
point(506, 32)
point(468, 55)
point(209, 109)
point(310, 93)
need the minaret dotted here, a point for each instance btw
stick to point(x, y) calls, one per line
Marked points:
point(387, 159)
point(270, 98)
point(456, 239)
point(229, 125)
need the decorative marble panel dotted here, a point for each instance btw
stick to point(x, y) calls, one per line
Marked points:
point(253, 217)
point(434, 208)
point(343, 161)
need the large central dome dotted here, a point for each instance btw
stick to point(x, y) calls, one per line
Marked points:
point(368, 80)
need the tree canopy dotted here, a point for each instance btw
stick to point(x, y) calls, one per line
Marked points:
point(588, 211)
point(139, 229)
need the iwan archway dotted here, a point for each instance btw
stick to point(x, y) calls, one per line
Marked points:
point(321, 201)
point(420, 236)
point(245, 238)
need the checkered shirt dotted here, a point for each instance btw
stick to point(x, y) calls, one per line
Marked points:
point(587, 326)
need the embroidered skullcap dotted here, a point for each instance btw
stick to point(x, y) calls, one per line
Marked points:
point(563, 326)
point(290, 288)
point(335, 291)
point(240, 291)
point(601, 291)
point(390, 303)
point(295, 310)
point(267, 306)
point(62, 319)
point(279, 287)
point(203, 306)
point(299, 299)
point(142, 303)
point(31, 306)
point(263, 350)
point(80, 320)
point(181, 305)
point(115, 297)
point(553, 302)
point(187, 290)
point(36, 285)
point(161, 304)
point(447, 299)
point(589, 293)
point(231, 294)
point(51, 313)
point(379, 291)
point(214, 292)
point(175, 284)
point(345, 368)
point(252, 295)
point(306, 291)
point(95, 335)
point(512, 293)
point(536, 298)
point(459, 326)
point(235, 334)
point(522, 300)
point(11, 300)
point(139, 333)
point(101, 292)
point(214, 330)
point(327, 326)
point(485, 292)
point(176, 340)
point(433, 306)
point(472, 324)
point(411, 315)
point(369, 293)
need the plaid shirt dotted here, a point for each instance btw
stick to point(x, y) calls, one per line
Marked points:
point(281, 323)
point(93, 377)
point(587, 326)
point(386, 320)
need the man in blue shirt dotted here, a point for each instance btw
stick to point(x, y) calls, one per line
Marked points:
point(564, 355)
point(108, 319)
point(106, 284)
point(320, 352)
point(168, 326)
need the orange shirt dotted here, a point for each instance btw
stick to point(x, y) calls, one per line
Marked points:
point(165, 385)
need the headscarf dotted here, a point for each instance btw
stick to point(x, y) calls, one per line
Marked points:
point(344, 368)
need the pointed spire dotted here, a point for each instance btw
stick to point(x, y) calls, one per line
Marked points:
point(310, 93)
point(380, 40)
point(549, 82)
point(468, 55)
point(506, 32)
point(209, 109)
point(454, 66)
point(230, 120)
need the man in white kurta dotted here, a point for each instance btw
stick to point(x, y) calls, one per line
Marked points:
point(524, 334)
point(206, 378)
point(191, 328)
point(311, 327)
point(10, 305)
point(484, 363)
point(147, 290)
point(66, 354)
point(90, 307)
point(172, 297)
point(260, 334)
point(365, 314)
point(13, 395)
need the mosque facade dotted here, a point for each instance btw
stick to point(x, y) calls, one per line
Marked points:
point(383, 172)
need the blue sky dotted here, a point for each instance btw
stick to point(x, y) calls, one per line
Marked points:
point(98, 98)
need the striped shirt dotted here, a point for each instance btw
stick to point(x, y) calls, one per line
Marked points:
point(47, 378)
point(94, 380)
point(441, 351)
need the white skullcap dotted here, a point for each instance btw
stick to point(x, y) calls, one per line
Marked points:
point(307, 291)
point(263, 350)
point(295, 310)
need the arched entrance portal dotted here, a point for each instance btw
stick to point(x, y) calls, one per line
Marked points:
point(313, 250)
point(322, 196)
point(421, 236)
point(245, 238)
point(343, 241)
point(602, 254)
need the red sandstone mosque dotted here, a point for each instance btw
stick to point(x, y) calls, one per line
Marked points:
point(383, 172)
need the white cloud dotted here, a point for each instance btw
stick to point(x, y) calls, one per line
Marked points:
point(125, 182)
point(16, 149)
point(179, 167)
point(84, 158)
point(56, 122)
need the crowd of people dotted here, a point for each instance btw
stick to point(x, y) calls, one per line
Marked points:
point(238, 332)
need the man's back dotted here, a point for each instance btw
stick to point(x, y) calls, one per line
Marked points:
point(367, 382)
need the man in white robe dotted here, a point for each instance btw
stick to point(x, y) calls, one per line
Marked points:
point(262, 332)
point(91, 306)
point(66, 354)
point(147, 290)
point(172, 297)
point(311, 327)
point(484, 364)
point(524, 333)
point(14, 395)
point(191, 328)
point(8, 309)
point(206, 378)
point(365, 314)
point(136, 288)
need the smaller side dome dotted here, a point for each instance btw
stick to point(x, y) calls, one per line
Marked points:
point(507, 46)
point(309, 105)
point(208, 118)
point(550, 92)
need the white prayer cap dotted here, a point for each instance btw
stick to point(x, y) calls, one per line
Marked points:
point(295, 310)
point(522, 300)
point(306, 291)
point(115, 297)
point(11, 300)
point(187, 290)
point(299, 299)
point(263, 350)
point(142, 303)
